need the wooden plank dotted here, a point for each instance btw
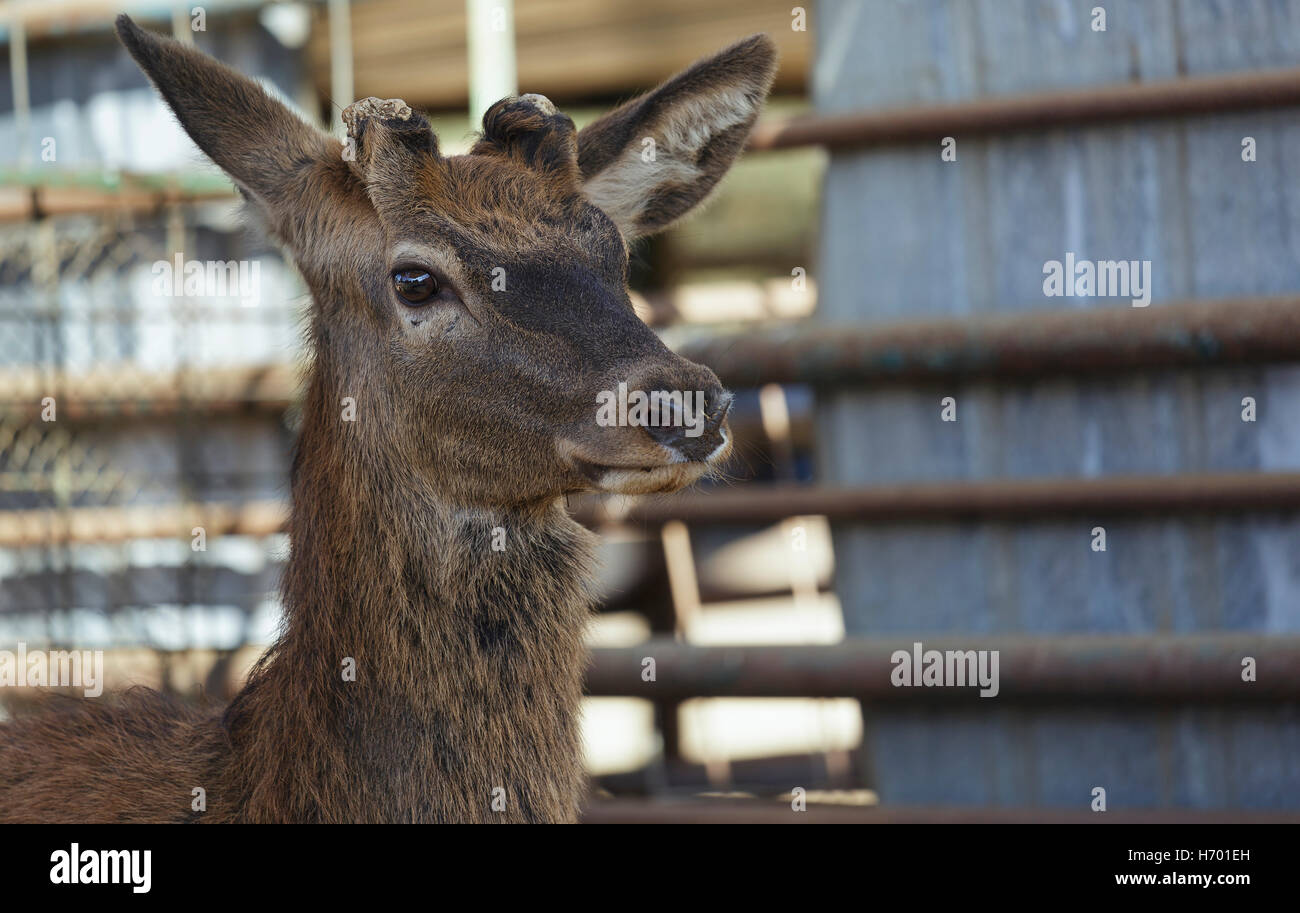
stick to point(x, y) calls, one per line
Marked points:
point(906, 235)
point(26, 528)
point(199, 584)
point(116, 390)
point(625, 46)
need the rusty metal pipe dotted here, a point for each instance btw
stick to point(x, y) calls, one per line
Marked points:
point(754, 811)
point(983, 500)
point(1119, 669)
point(1188, 335)
point(1196, 95)
point(754, 503)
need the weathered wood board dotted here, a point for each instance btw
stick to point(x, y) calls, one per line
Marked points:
point(907, 235)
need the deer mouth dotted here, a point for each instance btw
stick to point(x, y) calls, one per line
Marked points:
point(672, 474)
point(645, 480)
point(595, 471)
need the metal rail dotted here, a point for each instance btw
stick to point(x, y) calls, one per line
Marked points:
point(20, 528)
point(1196, 334)
point(754, 811)
point(27, 194)
point(1233, 92)
point(1047, 343)
point(746, 504)
point(1118, 669)
point(994, 499)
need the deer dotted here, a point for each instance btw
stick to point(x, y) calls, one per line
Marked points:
point(466, 313)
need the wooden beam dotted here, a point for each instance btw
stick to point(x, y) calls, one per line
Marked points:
point(28, 528)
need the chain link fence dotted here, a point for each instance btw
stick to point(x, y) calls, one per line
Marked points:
point(138, 392)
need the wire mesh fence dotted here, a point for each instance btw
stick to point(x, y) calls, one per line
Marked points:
point(136, 382)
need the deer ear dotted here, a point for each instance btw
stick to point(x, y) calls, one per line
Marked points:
point(265, 148)
point(654, 158)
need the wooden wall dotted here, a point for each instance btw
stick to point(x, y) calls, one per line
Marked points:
point(567, 49)
point(906, 235)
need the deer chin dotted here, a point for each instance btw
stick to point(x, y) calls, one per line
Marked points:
point(626, 478)
point(646, 480)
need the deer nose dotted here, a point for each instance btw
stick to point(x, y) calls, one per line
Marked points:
point(694, 430)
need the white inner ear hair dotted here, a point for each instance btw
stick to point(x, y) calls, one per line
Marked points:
point(625, 187)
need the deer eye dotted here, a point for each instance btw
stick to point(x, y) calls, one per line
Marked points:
point(415, 286)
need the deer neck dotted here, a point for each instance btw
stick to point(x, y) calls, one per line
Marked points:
point(431, 661)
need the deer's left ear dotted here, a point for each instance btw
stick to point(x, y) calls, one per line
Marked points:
point(654, 158)
point(277, 161)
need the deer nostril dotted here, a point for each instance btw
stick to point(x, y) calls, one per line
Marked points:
point(695, 431)
point(717, 406)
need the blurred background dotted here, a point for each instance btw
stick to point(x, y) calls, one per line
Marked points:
point(930, 448)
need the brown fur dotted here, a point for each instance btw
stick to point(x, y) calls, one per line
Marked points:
point(473, 415)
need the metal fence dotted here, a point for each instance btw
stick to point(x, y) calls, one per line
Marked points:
point(1121, 668)
point(119, 402)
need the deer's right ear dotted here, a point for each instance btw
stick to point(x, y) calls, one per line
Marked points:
point(656, 157)
point(267, 150)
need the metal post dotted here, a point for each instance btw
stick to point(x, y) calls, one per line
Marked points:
point(491, 35)
point(341, 84)
point(21, 96)
point(181, 29)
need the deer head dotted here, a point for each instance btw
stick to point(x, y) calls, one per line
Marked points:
point(477, 306)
